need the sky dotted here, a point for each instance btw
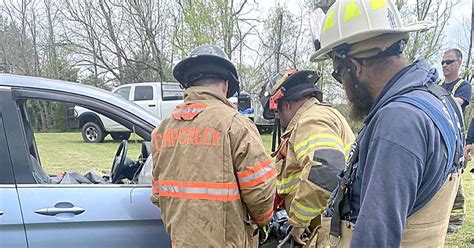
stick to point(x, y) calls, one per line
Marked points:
point(461, 12)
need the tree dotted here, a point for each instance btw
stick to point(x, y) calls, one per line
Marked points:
point(427, 45)
point(469, 67)
point(30, 47)
point(121, 41)
point(211, 22)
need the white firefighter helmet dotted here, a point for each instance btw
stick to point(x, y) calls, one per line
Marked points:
point(351, 21)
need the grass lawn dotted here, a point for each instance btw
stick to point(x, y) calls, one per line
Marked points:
point(60, 152)
point(466, 233)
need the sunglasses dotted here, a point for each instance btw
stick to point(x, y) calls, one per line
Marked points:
point(448, 62)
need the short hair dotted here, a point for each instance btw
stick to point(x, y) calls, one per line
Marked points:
point(208, 81)
point(456, 52)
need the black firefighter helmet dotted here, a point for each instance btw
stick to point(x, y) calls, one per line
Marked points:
point(288, 85)
point(207, 61)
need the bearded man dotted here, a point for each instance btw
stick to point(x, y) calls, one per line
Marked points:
point(403, 170)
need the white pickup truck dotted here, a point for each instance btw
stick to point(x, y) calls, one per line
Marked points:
point(158, 98)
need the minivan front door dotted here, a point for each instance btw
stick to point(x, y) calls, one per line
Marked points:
point(67, 214)
point(93, 216)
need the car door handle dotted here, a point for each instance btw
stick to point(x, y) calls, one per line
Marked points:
point(55, 211)
point(152, 105)
point(1, 212)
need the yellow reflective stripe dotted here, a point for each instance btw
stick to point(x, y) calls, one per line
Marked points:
point(318, 141)
point(329, 22)
point(457, 86)
point(288, 179)
point(319, 145)
point(377, 4)
point(283, 191)
point(351, 11)
point(300, 206)
point(299, 216)
point(348, 146)
point(289, 184)
point(305, 142)
point(302, 212)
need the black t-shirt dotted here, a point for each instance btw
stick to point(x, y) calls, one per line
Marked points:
point(464, 91)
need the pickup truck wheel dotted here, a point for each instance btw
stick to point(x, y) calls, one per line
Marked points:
point(120, 136)
point(265, 129)
point(92, 133)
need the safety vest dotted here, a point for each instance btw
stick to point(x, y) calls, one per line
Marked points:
point(456, 86)
point(426, 227)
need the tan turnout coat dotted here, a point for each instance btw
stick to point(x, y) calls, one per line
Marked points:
point(313, 151)
point(212, 178)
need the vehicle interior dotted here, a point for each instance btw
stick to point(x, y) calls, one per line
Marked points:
point(124, 170)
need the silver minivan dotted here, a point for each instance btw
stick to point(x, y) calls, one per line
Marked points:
point(39, 210)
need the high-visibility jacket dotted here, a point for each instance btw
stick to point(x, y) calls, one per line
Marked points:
point(212, 178)
point(312, 152)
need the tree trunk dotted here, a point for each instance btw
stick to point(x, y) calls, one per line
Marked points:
point(106, 11)
point(52, 46)
point(468, 69)
point(278, 41)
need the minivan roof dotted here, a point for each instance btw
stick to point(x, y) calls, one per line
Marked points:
point(16, 81)
point(171, 82)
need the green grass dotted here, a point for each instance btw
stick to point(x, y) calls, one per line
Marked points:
point(267, 142)
point(60, 152)
point(466, 233)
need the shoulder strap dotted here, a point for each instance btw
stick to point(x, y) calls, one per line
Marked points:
point(456, 86)
point(451, 128)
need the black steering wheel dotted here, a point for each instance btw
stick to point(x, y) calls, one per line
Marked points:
point(119, 161)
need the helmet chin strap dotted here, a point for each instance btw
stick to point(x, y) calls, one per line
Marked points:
point(276, 132)
point(276, 125)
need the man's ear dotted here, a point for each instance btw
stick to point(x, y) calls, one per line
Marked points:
point(286, 105)
point(357, 67)
point(225, 89)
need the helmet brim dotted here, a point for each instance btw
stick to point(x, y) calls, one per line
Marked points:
point(308, 76)
point(180, 69)
point(323, 53)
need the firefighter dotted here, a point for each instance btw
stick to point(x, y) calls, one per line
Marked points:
point(212, 181)
point(403, 170)
point(462, 91)
point(460, 88)
point(312, 150)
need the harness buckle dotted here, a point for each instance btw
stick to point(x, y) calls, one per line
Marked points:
point(330, 241)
